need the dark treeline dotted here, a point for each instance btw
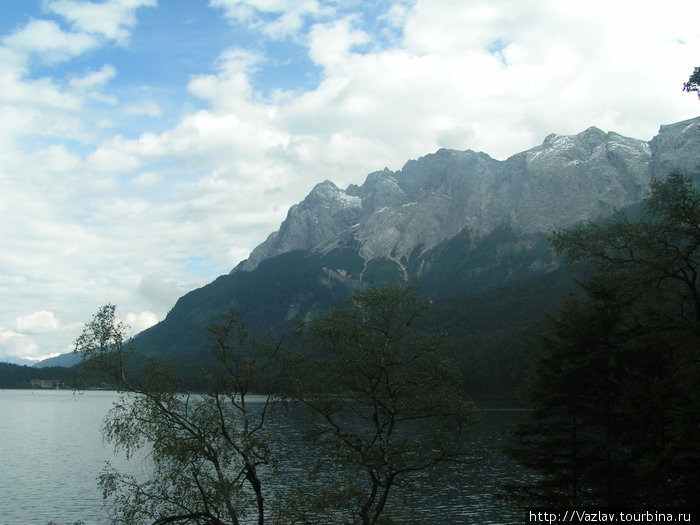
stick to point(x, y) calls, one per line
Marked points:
point(21, 376)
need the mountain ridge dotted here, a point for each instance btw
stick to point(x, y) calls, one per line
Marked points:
point(467, 230)
point(566, 179)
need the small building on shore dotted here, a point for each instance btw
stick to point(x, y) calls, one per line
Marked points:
point(47, 383)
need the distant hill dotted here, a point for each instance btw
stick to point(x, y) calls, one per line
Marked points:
point(65, 360)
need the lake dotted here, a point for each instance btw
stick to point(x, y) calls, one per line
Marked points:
point(52, 451)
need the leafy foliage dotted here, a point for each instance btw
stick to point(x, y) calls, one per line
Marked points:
point(615, 386)
point(693, 83)
point(206, 450)
point(385, 399)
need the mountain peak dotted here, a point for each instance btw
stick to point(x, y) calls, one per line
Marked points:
point(324, 189)
point(583, 143)
point(328, 195)
point(326, 211)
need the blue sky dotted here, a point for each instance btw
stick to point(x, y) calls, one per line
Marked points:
point(147, 146)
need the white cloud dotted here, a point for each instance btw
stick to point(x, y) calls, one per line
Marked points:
point(47, 40)
point(137, 322)
point(45, 105)
point(111, 19)
point(229, 90)
point(94, 79)
point(90, 84)
point(36, 337)
point(331, 44)
point(37, 323)
point(160, 293)
point(290, 16)
point(55, 158)
point(396, 15)
point(16, 345)
point(293, 17)
point(7, 335)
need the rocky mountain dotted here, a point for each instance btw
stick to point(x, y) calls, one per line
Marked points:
point(565, 180)
point(676, 146)
point(467, 229)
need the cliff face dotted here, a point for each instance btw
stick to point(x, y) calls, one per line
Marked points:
point(565, 180)
point(676, 146)
point(324, 213)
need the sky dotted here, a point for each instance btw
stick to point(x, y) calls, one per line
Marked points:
point(147, 146)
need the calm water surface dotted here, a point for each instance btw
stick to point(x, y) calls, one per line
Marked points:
point(51, 452)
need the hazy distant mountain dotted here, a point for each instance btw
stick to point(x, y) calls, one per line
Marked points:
point(19, 361)
point(66, 360)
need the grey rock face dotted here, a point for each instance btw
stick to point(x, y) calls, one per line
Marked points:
point(326, 211)
point(573, 178)
point(677, 146)
point(565, 180)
